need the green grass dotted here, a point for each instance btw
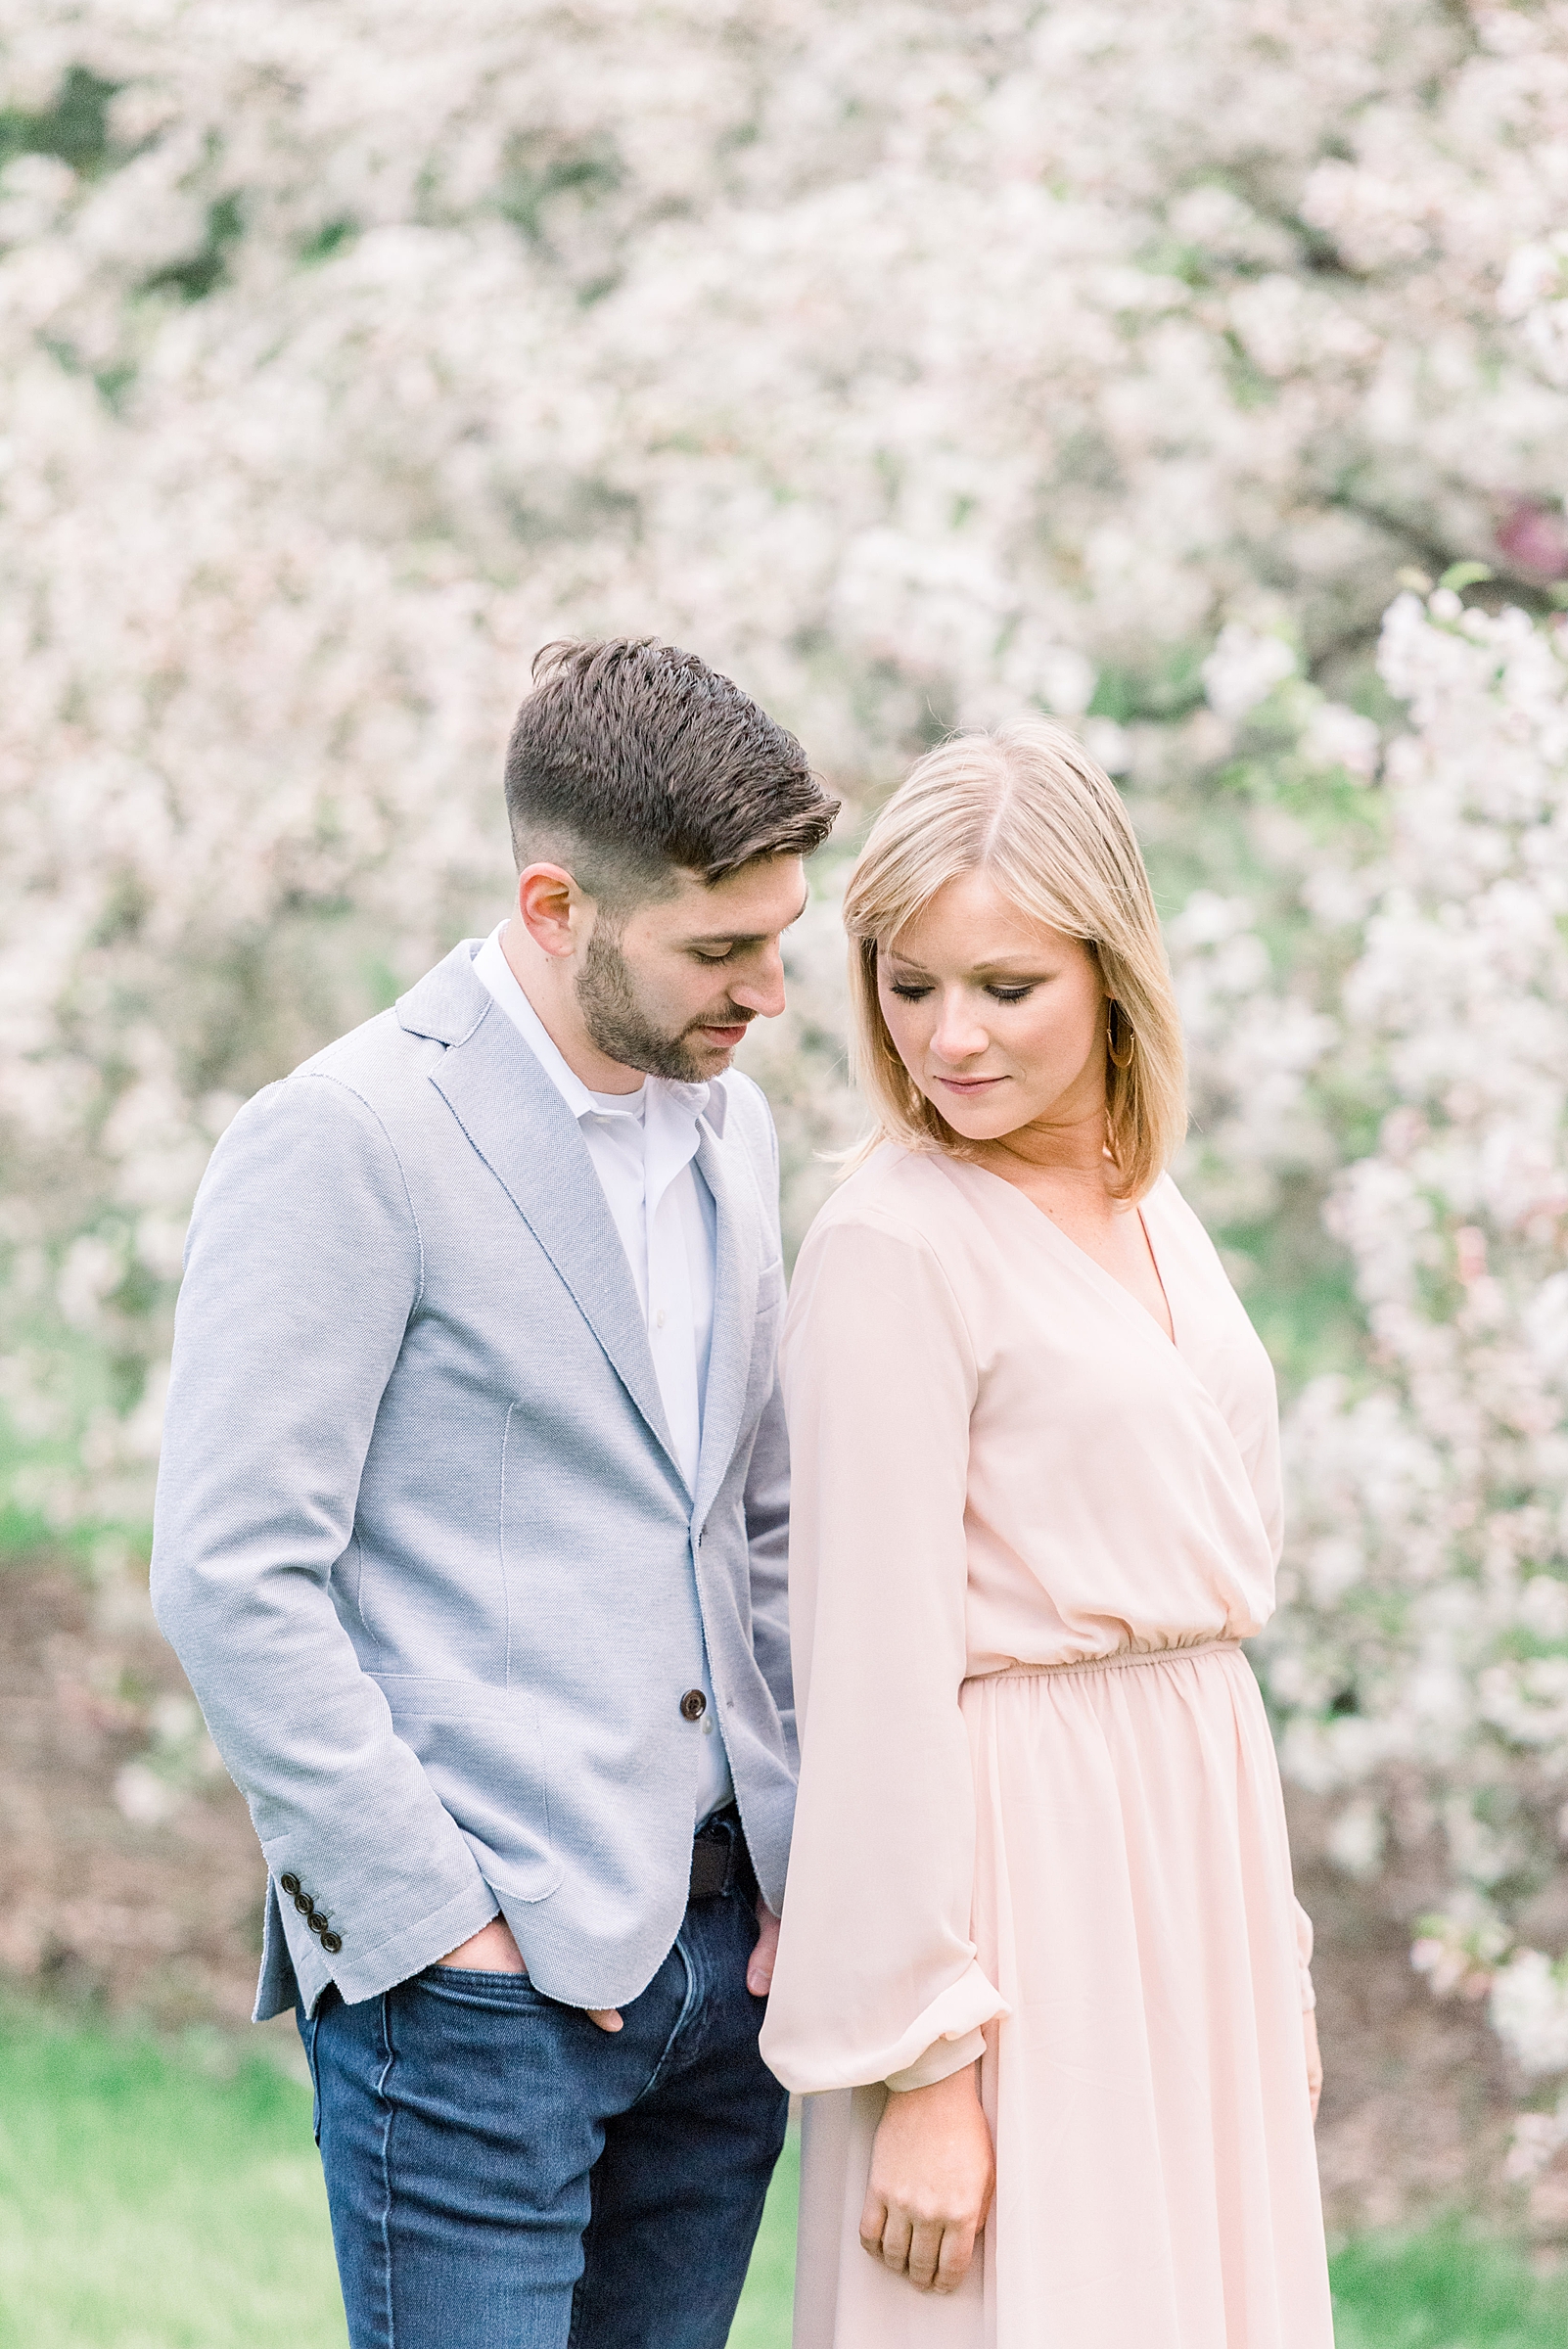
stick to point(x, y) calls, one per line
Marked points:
point(762, 2319)
point(1444, 2289)
point(151, 2199)
point(148, 2204)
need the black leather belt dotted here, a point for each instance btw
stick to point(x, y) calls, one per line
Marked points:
point(720, 1860)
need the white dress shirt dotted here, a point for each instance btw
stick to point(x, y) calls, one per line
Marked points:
point(644, 1151)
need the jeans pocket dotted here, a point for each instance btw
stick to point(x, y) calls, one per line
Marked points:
point(477, 1985)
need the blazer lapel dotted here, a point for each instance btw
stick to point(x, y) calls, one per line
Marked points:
point(527, 1137)
point(737, 1264)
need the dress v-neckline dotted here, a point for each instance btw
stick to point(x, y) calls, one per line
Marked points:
point(1096, 1270)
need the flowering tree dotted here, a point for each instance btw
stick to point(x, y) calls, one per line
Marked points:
point(920, 366)
point(1421, 1654)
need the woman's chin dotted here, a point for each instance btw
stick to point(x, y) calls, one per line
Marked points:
point(976, 1120)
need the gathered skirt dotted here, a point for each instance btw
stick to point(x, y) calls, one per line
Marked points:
point(1156, 2180)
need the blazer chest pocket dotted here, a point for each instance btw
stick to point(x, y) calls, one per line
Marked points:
point(767, 1326)
point(484, 1754)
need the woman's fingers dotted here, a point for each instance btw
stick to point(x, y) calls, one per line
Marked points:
point(933, 2256)
point(958, 2252)
point(885, 2232)
point(895, 2235)
point(926, 2240)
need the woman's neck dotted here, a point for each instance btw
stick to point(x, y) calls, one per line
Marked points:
point(1066, 1168)
point(1072, 1152)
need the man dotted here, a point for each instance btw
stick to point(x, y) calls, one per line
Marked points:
point(471, 1535)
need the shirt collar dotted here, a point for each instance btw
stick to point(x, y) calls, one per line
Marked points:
point(497, 974)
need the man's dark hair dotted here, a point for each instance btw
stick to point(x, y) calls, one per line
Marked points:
point(631, 759)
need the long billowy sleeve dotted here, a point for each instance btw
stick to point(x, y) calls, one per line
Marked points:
point(876, 1976)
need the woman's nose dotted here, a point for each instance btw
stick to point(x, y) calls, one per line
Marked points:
point(958, 1035)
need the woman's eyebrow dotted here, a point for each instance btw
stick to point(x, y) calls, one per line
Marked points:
point(1016, 965)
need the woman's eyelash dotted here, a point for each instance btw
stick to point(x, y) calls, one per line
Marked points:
point(1000, 994)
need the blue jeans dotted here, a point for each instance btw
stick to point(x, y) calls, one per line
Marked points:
point(504, 2175)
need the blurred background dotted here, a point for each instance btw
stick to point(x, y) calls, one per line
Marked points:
point(1193, 369)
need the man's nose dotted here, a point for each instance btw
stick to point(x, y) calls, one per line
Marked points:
point(763, 988)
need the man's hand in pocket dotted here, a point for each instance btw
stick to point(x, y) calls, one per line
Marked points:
point(493, 1951)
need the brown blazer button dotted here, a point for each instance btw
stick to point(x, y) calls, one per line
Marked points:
point(693, 1705)
point(316, 1922)
point(332, 1943)
point(303, 1903)
point(290, 1884)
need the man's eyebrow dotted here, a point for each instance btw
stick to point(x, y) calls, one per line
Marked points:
point(744, 937)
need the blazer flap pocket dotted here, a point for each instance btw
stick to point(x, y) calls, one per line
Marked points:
point(419, 1696)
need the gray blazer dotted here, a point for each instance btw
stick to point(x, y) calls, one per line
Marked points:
point(421, 1540)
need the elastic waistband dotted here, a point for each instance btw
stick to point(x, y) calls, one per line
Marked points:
point(1117, 1661)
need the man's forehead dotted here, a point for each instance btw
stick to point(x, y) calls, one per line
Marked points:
point(745, 906)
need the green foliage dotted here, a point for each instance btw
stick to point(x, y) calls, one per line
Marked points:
point(147, 2202)
point(75, 128)
point(762, 2319)
point(1461, 575)
point(1167, 688)
point(198, 274)
point(1443, 2291)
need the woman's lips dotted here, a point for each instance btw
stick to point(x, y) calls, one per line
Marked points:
point(969, 1085)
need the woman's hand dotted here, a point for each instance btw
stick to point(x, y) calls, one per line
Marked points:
point(1314, 2061)
point(932, 2173)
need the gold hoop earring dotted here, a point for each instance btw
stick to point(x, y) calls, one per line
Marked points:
point(1123, 1058)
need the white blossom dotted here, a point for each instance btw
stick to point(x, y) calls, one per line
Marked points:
point(920, 368)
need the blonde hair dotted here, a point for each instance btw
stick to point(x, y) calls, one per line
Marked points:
point(1031, 807)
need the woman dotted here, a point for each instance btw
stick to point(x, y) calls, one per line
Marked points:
point(1039, 1896)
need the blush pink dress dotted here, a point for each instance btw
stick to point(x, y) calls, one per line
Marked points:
point(1040, 1819)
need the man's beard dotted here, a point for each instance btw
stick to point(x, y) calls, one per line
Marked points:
point(607, 997)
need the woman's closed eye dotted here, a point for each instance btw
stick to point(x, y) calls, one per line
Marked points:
point(911, 992)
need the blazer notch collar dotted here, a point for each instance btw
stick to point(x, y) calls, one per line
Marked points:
point(448, 1003)
point(715, 1109)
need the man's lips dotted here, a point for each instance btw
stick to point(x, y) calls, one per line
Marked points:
point(722, 1034)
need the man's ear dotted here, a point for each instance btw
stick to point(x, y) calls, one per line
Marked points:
point(551, 908)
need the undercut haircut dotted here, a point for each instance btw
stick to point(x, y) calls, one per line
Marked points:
point(632, 761)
